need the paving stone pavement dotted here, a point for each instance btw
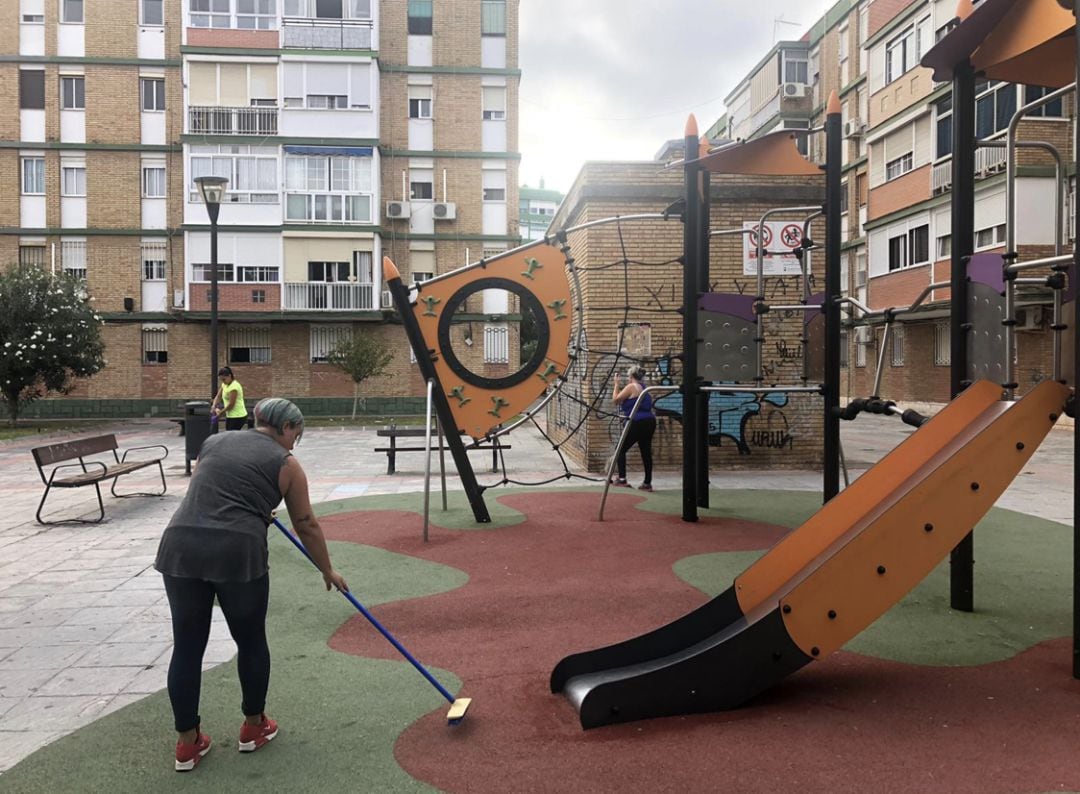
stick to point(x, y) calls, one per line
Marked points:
point(84, 623)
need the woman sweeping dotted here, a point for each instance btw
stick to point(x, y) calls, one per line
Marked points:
point(229, 401)
point(642, 424)
point(215, 546)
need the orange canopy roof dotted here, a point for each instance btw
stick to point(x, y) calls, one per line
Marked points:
point(774, 154)
point(1018, 41)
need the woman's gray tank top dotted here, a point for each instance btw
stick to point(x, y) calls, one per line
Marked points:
point(219, 531)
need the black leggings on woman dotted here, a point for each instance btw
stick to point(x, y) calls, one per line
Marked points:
point(191, 602)
point(640, 433)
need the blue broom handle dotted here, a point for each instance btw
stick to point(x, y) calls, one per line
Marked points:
point(374, 622)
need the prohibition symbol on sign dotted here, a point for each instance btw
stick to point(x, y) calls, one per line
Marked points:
point(791, 236)
point(766, 234)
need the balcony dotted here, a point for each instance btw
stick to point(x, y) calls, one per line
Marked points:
point(331, 297)
point(941, 180)
point(232, 121)
point(326, 34)
point(327, 208)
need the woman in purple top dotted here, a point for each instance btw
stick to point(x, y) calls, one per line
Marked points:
point(642, 424)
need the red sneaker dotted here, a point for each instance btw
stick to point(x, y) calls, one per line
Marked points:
point(252, 737)
point(189, 755)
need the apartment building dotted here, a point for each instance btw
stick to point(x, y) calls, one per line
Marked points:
point(348, 129)
point(898, 174)
point(536, 208)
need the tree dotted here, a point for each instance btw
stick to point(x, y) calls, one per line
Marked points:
point(49, 335)
point(360, 356)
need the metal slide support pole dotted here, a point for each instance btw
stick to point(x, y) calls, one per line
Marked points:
point(442, 460)
point(702, 398)
point(833, 155)
point(426, 364)
point(427, 458)
point(962, 558)
point(691, 222)
point(1076, 388)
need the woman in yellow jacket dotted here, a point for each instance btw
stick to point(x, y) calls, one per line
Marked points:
point(229, 401)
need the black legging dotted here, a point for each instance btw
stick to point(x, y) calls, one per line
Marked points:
point(235, 424)
point(191, 602)
point(640, 433)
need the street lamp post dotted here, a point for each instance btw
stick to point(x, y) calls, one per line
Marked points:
point(212, 190)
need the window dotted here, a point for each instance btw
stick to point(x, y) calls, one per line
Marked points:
point(899, 55)
point(33, 19)
point(494, 98)
point(152, 91)
point(492, 17)
point(995, 104)
point(844, 355)
point(252, 172)
point(944, 246)
point(32, 89)
point(73, 93)
point(496, 344)
point(327, 86)
point(328, 189)
point(210, 13)
point(422, 191)
point(256, 14)
point(900, 166)
point(862, 341)
point(33, 176)
point(420, 102)
point(153, 181)
point(896, 352)
point(155, 340)
point(73, 180)
point(200, 271)
point(329, 272)
point(258, 274)
point(844, 198)
point(328, 9)
point(420, 17)
point(943, 128)
point(421, 276)
point(910, 249)
point(990, 237)
point(249, 344)
point(32, 255)
point(71, 11)
point(942, 344)
point(1052, 109)
point(796, 67)
point(73, 258)
point(494, 185)
point(324, 338)
point(153, 261)
point(152, 12)
point(258, 296)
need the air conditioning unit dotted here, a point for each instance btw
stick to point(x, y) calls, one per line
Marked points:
point(178, 299)
point(853, 128)
point(398, 209)
point(387, 300)
point(794, 90)
point(444, 210)
point(1029, 318)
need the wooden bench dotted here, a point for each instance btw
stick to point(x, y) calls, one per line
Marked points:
point(394, 433)
point(91, 472)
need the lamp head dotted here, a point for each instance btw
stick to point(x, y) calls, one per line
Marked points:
point(212, 188)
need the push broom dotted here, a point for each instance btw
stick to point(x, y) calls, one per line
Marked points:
point(458, 706)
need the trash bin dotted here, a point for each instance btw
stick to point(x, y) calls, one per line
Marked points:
point(196, 430)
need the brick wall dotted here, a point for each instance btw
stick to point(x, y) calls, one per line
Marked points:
point(112, 105)
point(113, 190)
point(113, 267)
point(109, 29)
point(9, 30)
point(9, 101)
point(896, 194)
point(882, 12)
point(234, 297)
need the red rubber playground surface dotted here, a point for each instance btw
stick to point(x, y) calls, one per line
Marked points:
point(560, 582)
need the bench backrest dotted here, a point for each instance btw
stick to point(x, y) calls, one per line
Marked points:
point(69, 450)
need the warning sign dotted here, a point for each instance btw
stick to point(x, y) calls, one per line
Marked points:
point(779, 239)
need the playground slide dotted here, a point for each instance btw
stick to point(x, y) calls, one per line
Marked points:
point(830, 578)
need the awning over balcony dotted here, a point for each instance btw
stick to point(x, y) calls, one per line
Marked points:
point(327, 151)
point(1018, 41)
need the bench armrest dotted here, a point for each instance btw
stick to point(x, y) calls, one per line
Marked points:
point(152, 446)
point(80, 466)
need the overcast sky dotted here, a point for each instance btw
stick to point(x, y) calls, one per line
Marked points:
point(614, 79)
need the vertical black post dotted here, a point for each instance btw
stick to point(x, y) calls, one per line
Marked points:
point(703, 397)
point(831, 395)
point(691, 221)
point(962, 558)
point(212, 209)
point(1076, 390)
point(426, 365)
